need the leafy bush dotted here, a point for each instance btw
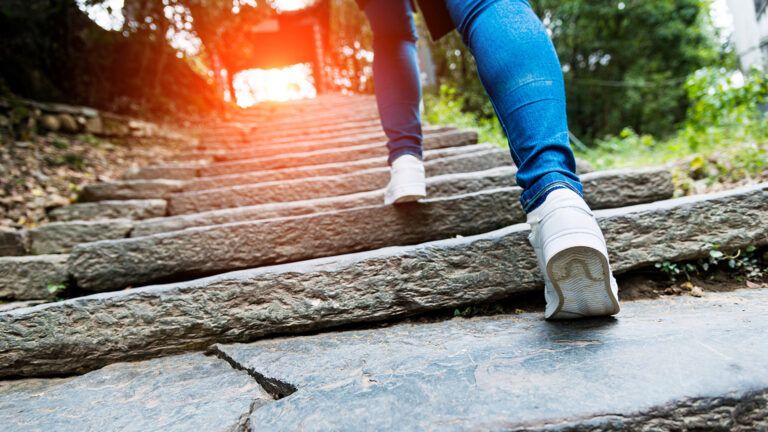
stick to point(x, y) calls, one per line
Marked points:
point(445, 108)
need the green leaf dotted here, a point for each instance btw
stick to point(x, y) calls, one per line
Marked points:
point(715, 254)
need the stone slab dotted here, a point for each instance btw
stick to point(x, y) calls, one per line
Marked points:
point(320, 187)
point(388, 283)
point(130, 190)
point(115, 209)
point(61, 237)
point(518, 371)
point(345, 154)
point(464, 210)
point(194, 252)
point(300, 143)
point(13, 242)
point(28, 277)
point(179, 393)
point(202, 183)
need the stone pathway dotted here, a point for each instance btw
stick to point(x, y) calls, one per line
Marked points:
point(274, 226)
point(508, 372)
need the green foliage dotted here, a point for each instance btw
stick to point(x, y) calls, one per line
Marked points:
point(56, 289)
point(446, 108)
point(724, 138)
point(744, 264)
point(624, 62)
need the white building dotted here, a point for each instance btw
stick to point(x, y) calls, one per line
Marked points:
point(750, 32)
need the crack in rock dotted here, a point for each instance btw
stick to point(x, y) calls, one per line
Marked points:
point(276, 388)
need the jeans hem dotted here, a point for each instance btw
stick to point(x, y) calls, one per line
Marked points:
point(534, 197)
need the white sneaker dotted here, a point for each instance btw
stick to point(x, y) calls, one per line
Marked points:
point(572, 257)
point(407, 182)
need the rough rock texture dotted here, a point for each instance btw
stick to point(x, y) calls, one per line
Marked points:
point(128, 209)
point(107, 266)
point(169, 172)
point(393, 282)
point(335, 140)
point(110, 265)
point(60, 237)
point(365, 151)
point(507, 372)
point(28, 277)
point(130, 190)
point(627, 186)
point(445, 185)
point(13, 242)
point(319, 187)
point(189, 392)
point(333, 169)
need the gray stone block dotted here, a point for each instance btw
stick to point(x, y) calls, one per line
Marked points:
point(130, 190)
point(13, 242)
point(180, 393)
point(464, 211)
point(29, 277)
point(60, 237)
point(520, 372)
point(345, 154)
point(115, 264)
point(368, 286)
point(127, 209)
point(333, 169)
point(618, 188)
point(319, 187)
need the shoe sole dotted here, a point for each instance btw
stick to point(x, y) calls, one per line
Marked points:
point(581, 278)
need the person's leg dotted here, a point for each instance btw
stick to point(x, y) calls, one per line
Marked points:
point(520, 71)
point(396, 75)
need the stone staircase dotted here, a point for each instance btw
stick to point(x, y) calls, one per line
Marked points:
point(274, 225)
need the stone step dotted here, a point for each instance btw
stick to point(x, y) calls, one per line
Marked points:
point(115, 264)
point(503, 367)
point(60, 237)
point(659, 187)
point(341, 154)
point(32, 277)
point(116, 209)
point(59, 338)
point(320, 187)
point(202, 183)
point(244, 135)
point(658, 360)
point(296, 145)
point(131, 189)
point(179, 393)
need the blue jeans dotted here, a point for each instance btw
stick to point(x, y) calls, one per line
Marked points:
point(518, 68)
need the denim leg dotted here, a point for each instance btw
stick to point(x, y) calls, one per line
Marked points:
point(519, 69)
point(396, 75)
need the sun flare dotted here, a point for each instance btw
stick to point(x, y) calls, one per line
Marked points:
point(281, 84)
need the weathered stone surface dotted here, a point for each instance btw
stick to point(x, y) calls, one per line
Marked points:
point(130, 190)
point(513, 371)
point(617, 188)
point(4, 307)
point(336, 140)
point(202, 183)
point(393, 282)
point(437, 186)
point(365, 151)
point(127, 209)
point(28, 277)
point(60, 237)
point(115, 264)
point(319, 187)
point(179, 393)
point(13, 242)
point(112, 265)
point(169, 172)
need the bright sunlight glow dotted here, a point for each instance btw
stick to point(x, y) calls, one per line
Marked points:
point(282, 84)
point(290, 5)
